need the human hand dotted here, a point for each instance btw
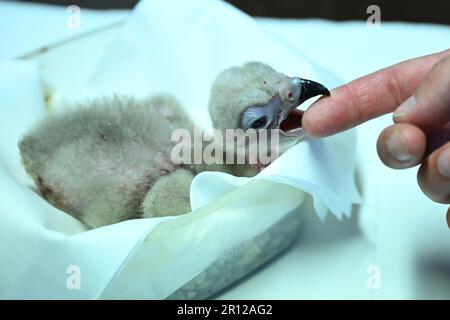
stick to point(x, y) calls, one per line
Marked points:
point(418, 92)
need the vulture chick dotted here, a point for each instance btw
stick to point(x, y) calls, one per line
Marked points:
point(110, 160)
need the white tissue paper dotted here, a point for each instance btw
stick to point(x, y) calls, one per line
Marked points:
point(175, 47)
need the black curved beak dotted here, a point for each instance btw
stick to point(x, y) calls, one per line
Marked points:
point(311, 89)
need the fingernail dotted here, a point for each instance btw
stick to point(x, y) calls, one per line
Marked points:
point(443, 163)
point(397, 147)
point(404, 108)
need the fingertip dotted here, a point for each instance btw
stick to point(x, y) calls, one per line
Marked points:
point(325, 116)
point(448, 217)
point(401, 146)
point(403, 111)
point(313, 122)
point(309, 126)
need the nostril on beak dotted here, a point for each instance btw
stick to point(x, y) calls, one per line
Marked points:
point(289, 89)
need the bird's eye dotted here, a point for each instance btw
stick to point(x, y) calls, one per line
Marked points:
point(259, 123)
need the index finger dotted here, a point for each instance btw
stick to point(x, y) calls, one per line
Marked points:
point(367, 97)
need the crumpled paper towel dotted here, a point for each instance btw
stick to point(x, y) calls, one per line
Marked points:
point(175, 47)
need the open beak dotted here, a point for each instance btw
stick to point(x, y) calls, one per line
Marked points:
point(293, 92)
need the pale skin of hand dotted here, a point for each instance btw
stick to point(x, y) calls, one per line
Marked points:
point(418, 92)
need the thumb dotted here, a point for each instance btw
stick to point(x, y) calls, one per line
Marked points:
point(429, 106)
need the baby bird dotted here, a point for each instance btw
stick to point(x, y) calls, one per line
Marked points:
point(110, 160)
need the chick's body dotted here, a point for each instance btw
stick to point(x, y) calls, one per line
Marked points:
point(98, 163)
